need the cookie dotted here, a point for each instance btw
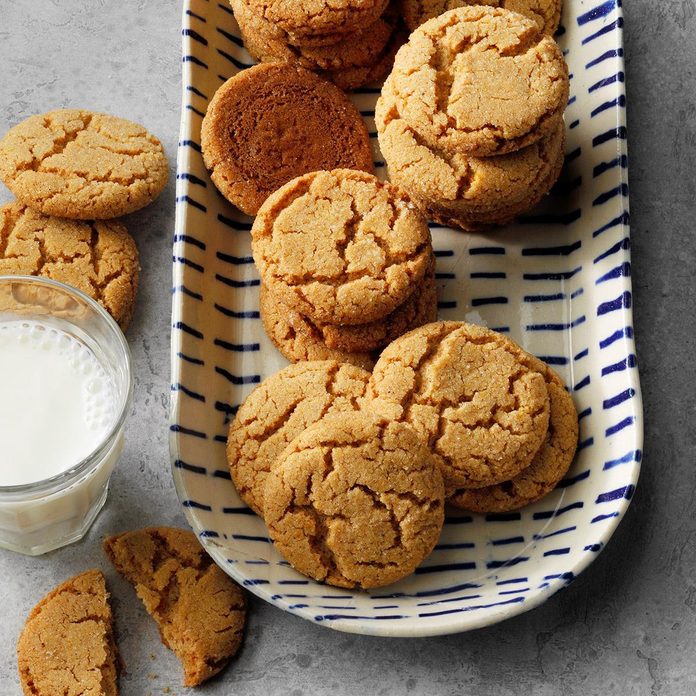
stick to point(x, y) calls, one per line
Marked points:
point(278, 410)
point(549, 466)
point(468, 392)
point(546, 13)
point(355, 502)
point(481, 81)
point(82, 165)
point(67, 644)
point(341, 247)
point(97, 257)
point(298, 339)
point(271, 123)
point(475, 191)
point(199, 610)
point(317, 18)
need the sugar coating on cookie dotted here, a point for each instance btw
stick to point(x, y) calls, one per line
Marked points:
point(355, 502)
point(473, 190)
point(278, 410)
point(98, 257)
point(199, 610)
point(82, 165)
point(67, 644)
point(549, 466)
point(467, 391)
point(341, 246)
point(299, 339)
point(546, 13)
point(480, 80)
point(271, 123)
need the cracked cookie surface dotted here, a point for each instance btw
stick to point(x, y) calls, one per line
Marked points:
point(278, 410)
point(82, 165)
point(469, 393)
point(273, 122)
point(546, 13)
point(355, 502)
point(474, 191)
point(480, 80)
point(550, 463)
point(97, 257)
point(341, 246)
point(199, 610)
point(67, 644)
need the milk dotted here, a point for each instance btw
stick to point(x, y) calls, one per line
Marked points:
point(57, 403)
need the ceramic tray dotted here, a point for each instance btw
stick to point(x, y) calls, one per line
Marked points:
point(558, 282)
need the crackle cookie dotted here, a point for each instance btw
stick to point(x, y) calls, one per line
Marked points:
point(199, 610)
point(271, 123)
point(82, 165)
point(298, 339)
point(468, 391)
point(355, 502)
point(480, 80)
point(341, 247)
point(278, 410)
point(546, 13)
point(97, 257)
point(318, 18)
point(549, 466)
point(67, 644)
point(474, 191)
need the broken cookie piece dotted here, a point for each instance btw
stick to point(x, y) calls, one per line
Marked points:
point(200, 611)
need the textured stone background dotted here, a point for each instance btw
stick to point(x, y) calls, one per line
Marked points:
point(627, 626)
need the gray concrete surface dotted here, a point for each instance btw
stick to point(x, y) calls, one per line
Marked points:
point(628, 626)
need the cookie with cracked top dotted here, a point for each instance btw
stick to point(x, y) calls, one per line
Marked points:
point(355, 501)
point(98, 257)
point(341, 246)
point(82, 165)
point(200, 611)
point(470, 393)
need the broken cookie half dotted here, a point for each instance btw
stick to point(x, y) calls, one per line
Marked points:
point(199, 610)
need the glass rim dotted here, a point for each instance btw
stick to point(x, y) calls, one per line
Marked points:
point(64, 479)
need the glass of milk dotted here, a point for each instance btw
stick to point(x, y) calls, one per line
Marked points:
point(65, 389)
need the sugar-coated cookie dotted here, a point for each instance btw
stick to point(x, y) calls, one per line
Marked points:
point(82, 165)
point(355, 502)
point(271, 123)
point(98, 257)
point(67, 644)
point(341, 246)
point(468, 391)
point(278, 410)
point(199, 610)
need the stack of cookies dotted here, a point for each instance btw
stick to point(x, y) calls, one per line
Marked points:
point(470, 120)
point(350, 42)
point(346, 265)
point(73, 172)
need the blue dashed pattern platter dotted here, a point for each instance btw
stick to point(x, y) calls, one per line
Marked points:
point(558, 282)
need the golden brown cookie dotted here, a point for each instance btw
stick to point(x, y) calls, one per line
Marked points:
point(97, 257)
point(271, 123)
point(468, 391)
point(341, 246)
point(474, 191)
point(317, 18)
point(546, 13)
point(278, 410)
point(298, 339)
point(480, 80)
point(199, 610)
point(82, 165)
point(67, 644)
point(355, 502)
point(549, 466)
